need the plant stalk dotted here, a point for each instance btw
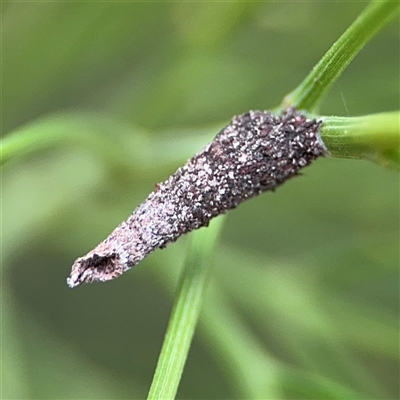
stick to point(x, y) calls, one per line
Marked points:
point(185, 313)
point(373, 137)
point(310, 92)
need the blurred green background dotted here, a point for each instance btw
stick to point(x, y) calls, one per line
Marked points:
point(306, 279)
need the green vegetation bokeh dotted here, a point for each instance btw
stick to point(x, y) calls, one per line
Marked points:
point(130, 91)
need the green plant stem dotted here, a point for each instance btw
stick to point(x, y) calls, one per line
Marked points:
point(250, 371)
point(373, 137)
point(185, 313)
point(314, 87)
point(60, 130)
point(111, 140)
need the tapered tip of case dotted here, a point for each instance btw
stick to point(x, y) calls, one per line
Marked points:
point(95, 267)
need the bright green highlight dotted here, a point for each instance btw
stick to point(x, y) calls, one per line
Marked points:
point(372, 137)
point(183, 321)
point(309, 94)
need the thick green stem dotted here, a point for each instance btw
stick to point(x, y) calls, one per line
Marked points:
point(373, 137)
point(314, 87)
